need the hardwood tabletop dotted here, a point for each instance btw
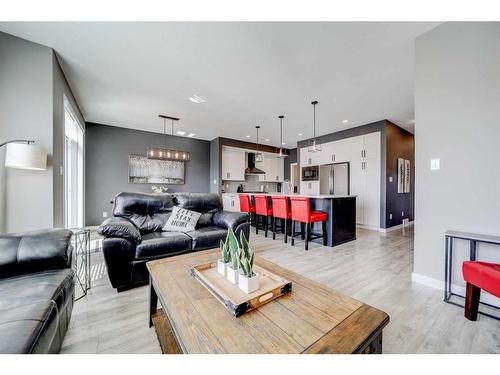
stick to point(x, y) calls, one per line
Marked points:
point(311, 319)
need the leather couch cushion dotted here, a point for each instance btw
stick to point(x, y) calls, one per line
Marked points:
point(120, 227)
point(30, 328)
point(56, 285)
point(162, 243)
point(149, 212)
point(199, 202)
point(27, 252)
point(207, 237)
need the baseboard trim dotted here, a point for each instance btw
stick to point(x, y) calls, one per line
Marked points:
point(458, 289)
point(396, 227)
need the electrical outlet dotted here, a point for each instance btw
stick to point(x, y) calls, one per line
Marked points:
point(390, 179)
point(435, 165)
point(390, 216)
point(215, 182)
point(104, 214)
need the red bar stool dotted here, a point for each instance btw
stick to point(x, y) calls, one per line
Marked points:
point(246, 206)
point(479, 275)
point(281, 210)
point(301, 212)
point(262, 210)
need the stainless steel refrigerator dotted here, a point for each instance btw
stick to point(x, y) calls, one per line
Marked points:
point(334, 179)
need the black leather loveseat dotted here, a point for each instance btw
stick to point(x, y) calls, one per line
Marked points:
point(36, 291)
point(134, 236)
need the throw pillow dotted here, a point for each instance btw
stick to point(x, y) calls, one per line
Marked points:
point(181, 220)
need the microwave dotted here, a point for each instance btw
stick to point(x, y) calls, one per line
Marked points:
point(310, 173)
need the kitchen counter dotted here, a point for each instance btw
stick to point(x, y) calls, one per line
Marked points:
point(340, 210)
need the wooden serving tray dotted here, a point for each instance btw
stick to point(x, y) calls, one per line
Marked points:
point(235, 300)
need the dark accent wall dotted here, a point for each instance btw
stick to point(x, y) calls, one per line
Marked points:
point(395, 142)
point(400, 144)
point(107, 149)
point(292, 158)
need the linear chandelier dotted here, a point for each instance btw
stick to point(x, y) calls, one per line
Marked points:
point(164, 153)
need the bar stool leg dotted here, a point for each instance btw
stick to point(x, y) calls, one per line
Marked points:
point(293, 232)
point(265, 225)
point(308, 230)
point(285, 223)
point(302, 231)
point(257, 224)
point(274, 227)
point(323, 224)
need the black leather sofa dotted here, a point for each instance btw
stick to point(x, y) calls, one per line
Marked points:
point(36, 291)
point(134, 236)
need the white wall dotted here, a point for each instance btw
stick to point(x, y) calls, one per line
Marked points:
point(457, 107)
point(25, 113)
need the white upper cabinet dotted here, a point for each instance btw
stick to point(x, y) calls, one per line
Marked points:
point(273, 167)
point(233, 164)
point(372, 146)
point(357, 146)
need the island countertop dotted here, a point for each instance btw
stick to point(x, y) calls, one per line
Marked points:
point(321, 196)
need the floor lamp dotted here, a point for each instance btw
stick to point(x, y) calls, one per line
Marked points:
point(22, 154)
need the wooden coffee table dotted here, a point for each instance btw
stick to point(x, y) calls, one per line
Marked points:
point(310, 319)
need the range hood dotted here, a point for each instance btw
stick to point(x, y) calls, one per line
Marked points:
point(251, 169)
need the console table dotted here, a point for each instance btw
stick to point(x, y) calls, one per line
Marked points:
point(81, 245)
point(474, 239)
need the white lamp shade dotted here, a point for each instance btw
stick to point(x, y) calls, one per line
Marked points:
point(25, 156)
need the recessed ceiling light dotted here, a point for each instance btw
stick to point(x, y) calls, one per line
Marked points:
point(247, 136)
point(197, 99)
point(190, 135)
point(300, 134)
point(267, 139)
point(345, 121)
point(180, 132)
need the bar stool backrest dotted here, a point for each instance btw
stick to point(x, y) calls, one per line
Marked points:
point(301, 209)
point(261, 204)
point(245, 203)
point(281, 208)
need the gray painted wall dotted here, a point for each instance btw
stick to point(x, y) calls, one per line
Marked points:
point(106, 167)
point(26, 112)
point(457, 94)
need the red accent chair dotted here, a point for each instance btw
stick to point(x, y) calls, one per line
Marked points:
point(262, 211)
point(246, 206)
point(479, 275)
point(301, 212)
point(281, 210)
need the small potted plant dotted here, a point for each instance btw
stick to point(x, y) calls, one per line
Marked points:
point(233, 269)
point(248, 280)
point(225, 258)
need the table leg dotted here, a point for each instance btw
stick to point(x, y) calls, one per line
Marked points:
point(446, 260)
point(153, 301)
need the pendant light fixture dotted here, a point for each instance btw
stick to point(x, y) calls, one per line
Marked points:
point(164, 153)
point(314, 146)
point(258, 155)
point(281, 150)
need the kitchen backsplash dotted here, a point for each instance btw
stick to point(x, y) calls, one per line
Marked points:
point(251, 183)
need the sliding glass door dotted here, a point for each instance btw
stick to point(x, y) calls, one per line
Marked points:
point(73, 168)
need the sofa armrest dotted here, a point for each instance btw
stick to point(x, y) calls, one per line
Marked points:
point(22, 253)
point(120, 227)
point(227, 219)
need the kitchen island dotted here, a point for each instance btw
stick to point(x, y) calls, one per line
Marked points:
point(341, 216)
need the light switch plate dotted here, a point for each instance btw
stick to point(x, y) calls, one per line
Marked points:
point(390, 179)
point(435, 165)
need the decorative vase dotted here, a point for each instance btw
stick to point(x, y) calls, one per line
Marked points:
point(232, 274)
point(249, 284)
point(221, 267)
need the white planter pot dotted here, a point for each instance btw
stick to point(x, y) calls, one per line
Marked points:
point(232, 275)
point(221, 267)
point(249, 284)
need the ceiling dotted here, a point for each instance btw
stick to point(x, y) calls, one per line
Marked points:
point(125, 74)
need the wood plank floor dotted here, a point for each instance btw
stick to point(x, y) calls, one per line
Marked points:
point(375, 269)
